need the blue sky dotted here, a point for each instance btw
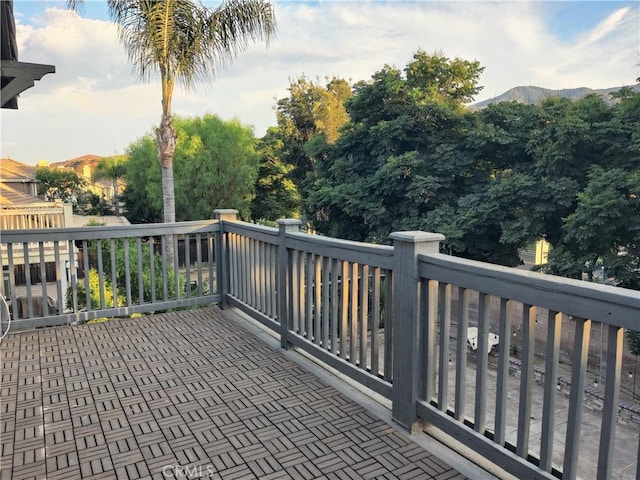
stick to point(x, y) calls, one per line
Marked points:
point(94, 105)
point(567, 20)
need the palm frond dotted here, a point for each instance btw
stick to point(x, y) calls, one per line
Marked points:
point(236, 22)
point(75, 5)
point(185, 41)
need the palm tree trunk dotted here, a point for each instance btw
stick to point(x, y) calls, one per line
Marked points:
point(116, 201)
point(168, 195)
point(166, 136)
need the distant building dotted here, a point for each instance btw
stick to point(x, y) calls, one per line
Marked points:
point(85, 166)
point(19, 176)
point(21, 209)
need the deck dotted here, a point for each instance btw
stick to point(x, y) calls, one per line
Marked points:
point(188, 394)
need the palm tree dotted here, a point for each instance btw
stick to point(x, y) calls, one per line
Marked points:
point(114, 169)
point(184, 42)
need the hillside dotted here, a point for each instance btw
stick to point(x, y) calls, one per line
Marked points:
point(77, 164)
point(535, 95)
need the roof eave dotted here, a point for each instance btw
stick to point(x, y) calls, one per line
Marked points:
point(19, 76)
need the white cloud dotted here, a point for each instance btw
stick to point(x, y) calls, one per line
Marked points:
point(93, 103)
point(607, 26)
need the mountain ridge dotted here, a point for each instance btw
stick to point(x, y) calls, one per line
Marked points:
point(77, 164)
point(533, 95)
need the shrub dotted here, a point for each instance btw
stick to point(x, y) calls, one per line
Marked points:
point(94, 289)
point(121, 274)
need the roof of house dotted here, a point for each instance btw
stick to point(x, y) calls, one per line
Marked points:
point(9, 196)
point(12, 170)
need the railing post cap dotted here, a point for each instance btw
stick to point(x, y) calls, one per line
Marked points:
point(288, 221)
point(225, 211)
point(417, 236)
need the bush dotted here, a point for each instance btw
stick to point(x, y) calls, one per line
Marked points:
point(94, 288)
point(121, 276)
point(133, 271)
point(633, 341)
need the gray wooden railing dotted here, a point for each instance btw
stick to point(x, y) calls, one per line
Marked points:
point(326, 296)
point(395, 319)
point(131, 272)
point(457, 291)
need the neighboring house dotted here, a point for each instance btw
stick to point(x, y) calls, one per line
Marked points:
point(21, 177)
point(21, 209)
point(85, 166)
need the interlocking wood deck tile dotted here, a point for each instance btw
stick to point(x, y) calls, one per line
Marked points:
point(90, 440)
point(156, 465)
point(6, 447)
point(302, 437)
point(6, 470)
point(64, 473)
point(31, 470)
point(305, 471)
point(392, 460)
point(61, 448)
point(253, 452)
point(329, 463)
point(241, 472)
point(369, 468)
point(313, 450)
point(189, 390)
point(100, 451)
point(218, 447)
point(290, 458)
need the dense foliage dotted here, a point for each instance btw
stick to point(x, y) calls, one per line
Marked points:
point(412, 157)
point(276, 195)
point(311, 116)
point(112, 169)
point(131, 248)
point(67, 186)
point(59, 184)
point(215, 166)
point(401, 151)
point(118, 296)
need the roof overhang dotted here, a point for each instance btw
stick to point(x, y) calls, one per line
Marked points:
point(18, 77)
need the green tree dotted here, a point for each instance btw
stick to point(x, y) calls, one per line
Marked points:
point(428, 78)
point(276, 196)
point(90, 203)
point(400, 163)
point(495, 215)
point(217, 167)
point(58, 184)
point(113, 169)
point(311, 109)
point(94, 293)
point(633, 340)
point(184, 42)
point(435, 77)
point(142, 195)
point(596, 226)
point(604, 229)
